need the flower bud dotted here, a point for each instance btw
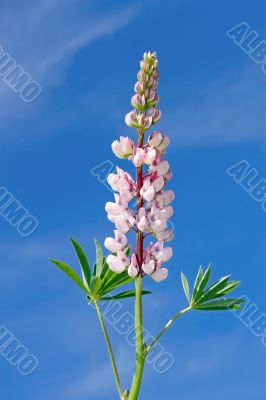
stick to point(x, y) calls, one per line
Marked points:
point(154, 100)
point(131, 119)
point(145, 122)
point(138, 101)
point(155, 84)
point(150, 82)
point(157, 116)
point(155, 74)
point(133, 269)
point(151, 96)
point(139, 87)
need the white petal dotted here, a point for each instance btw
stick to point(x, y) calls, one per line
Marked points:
point(162, 168)
point(132, 271)
point(148, 195)
point(115, 264)
point(120, 238)
point(148, 268)
point(158, 183)
point(160, 274)
point(166, 253)
point(112, 245)
point(113, 208)
point(121, 225)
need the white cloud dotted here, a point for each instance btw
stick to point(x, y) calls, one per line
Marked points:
point(228, 110)
point(44, 36)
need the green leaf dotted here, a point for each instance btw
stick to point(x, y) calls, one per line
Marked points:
point(202, 284)
point(185, 286)
point(85, 268)
point(96, 284)
point(107, 289)
point(227, 289)
point(72, 274)
point(118, 279)
point(197, 281)
point(219, 305)
point(105, 269)
point(127, 251)
point(215, 288)
point(123, 295)
point(99, 258)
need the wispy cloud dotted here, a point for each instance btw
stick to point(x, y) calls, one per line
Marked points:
point(69, 27)
point(228, 110)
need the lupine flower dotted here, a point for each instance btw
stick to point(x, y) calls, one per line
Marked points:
point(123, 148)
point(152, 209)
point(118, 263)
point(119, 243)
point(160, 274)
point(133, 268)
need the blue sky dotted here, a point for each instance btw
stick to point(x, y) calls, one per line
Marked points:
point(85, 56)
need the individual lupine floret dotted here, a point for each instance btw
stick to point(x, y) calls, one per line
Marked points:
point(119, 214)
point(151, 185)
point(160, 274)
point(118, 263)
point(161, 168)
point(143, 156)
point(155, 114)
point(155, 256)
point(133, 269)
point(123, 183)
point(123, 148)
point(161, 253)
point(117, 243)
point(158, 140)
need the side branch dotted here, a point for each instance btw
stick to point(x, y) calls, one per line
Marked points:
point(169, 323)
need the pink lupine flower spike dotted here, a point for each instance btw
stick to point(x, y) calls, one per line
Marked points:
point(152, 209)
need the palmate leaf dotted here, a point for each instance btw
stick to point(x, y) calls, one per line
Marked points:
point(185, 286)
point(215, 288)
point(211, 298)
point(72, 274)
point(101, 282)
point(222, 304)
point(85, 268)
point(202, 284)
point(123, 295)
point(99, 258)
point(96, 284)
point(197, 281)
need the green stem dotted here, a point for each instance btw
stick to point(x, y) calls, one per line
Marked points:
point(169, 323)
point(140, 357)
point(109, 347)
